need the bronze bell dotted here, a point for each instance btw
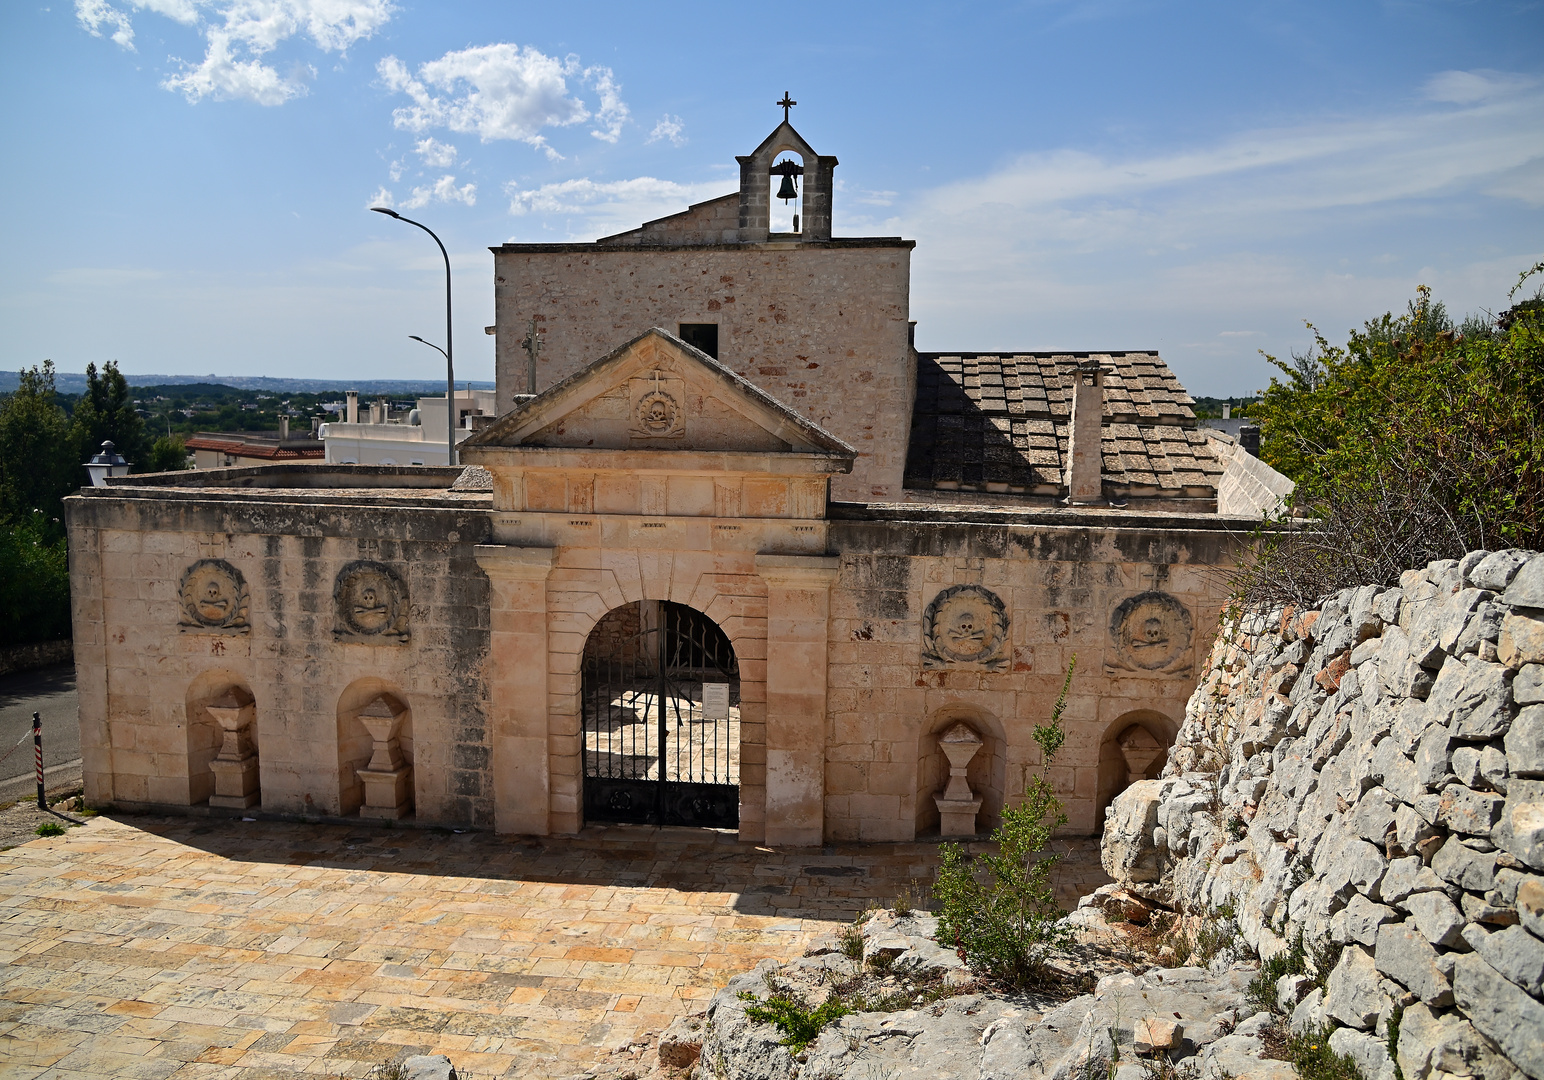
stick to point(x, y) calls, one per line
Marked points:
point(786, 190)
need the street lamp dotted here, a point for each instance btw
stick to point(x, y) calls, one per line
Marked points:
point(449, 350)
point(446, 355)
point(108, 462)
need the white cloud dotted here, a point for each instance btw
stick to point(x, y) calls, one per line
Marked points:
point(382, 197)
point(238, 33)
point(443, 190)
point(503, 91)
point(669, 127)
point(96, 14)
point(1070, 248)
point(613, 111)
point(590, 208)
point(1472, 87)
point(436, 155)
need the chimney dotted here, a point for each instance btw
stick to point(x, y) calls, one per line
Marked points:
point(283, 428)
point(351, 410)
point(1249, 439)
point(1085, 453)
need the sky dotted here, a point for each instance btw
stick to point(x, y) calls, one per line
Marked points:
point(188, 181)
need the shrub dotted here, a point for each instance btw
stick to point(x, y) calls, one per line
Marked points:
point(1006, 920)
point(50, 828)
point(1416, 440)
point(850, 938)
point(1313, 1059)
point(799, 1024)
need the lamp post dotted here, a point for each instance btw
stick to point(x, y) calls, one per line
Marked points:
point(449, 349)
point(452, 390)
point(108, 462)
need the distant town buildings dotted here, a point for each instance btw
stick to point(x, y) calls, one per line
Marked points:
point(379, 435)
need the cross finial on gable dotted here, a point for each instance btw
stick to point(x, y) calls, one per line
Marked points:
point(787, 103)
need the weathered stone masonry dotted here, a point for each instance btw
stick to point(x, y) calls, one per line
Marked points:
point(1371, 774)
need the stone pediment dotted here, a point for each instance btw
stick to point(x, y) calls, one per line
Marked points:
point(655, 393)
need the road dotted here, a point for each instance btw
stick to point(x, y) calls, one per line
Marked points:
point(49, 692)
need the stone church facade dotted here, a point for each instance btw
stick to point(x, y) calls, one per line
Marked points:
point(745, 559)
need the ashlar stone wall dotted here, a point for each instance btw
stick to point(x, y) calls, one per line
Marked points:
point(310, 612)
point(1371, 774)
point(822, 327)
point(896, 682)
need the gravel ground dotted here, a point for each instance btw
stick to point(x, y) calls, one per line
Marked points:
point(19, 820)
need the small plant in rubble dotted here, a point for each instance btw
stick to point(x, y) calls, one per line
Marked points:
point(1005, 920)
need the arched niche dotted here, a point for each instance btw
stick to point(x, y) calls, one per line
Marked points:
point(1134, 747)
point(986, 773)
point(221, 735)
point(375, 750)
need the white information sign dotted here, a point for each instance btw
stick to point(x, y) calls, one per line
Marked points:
point(715, 701)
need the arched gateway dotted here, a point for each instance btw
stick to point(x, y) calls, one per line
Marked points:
point(660, 701)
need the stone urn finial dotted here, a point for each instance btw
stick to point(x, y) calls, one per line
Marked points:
point(235, 767)
point(388, 779)
point(958, 805)
point(1140, 750)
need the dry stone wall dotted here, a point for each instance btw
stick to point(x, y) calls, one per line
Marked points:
point(1371, 774)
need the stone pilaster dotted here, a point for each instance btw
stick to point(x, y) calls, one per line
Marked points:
point(798, 614)
point(517, 685)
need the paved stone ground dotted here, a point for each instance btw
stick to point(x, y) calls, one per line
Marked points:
point(154, 947)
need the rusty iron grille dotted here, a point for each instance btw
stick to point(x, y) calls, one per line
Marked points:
point(653, 754)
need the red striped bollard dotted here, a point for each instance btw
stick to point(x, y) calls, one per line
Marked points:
point(37, 752)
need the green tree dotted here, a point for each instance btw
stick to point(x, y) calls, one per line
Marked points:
point(1006, 919)
point(37, 469)
point(34, 581)
point(1414, 441)
point(169, 453)
point(106, 412)
point(37, 453)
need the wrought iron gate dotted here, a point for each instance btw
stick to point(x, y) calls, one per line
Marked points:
point(659, 748)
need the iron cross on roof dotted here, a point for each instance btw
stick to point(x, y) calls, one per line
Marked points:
point(787, 103)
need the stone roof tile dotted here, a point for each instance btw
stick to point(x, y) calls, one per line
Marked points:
point(1002, 419)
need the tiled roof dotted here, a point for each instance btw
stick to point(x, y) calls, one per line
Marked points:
point(999, 423)
point(238, 445)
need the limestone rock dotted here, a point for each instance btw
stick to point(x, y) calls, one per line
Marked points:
point(1154, 1033)
point(1530, 905)
point(1521, 641)
point(1406, 876)
point(1516, 954)
point(1309, 1012)
point(1437, 918)
point(1441, 1043)
point(681, 1044)
point(1502, 1011)
point(1405, 956)
point(1528, 687)
point(428, 1067)
point(1527, 585)
point(1239, 1056)
point(1362, 918)
point(1370, 1053)
point(1351, 993)
point(1465, 867)
point(1525, 742)
point(1495, 571)
point(1473, 813)
point(1127, 849)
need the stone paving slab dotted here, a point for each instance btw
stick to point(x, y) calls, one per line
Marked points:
point(176, 948)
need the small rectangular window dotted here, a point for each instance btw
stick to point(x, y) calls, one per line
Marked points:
point(701, 335)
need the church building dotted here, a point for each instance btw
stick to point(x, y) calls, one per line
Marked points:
point(733, 554)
